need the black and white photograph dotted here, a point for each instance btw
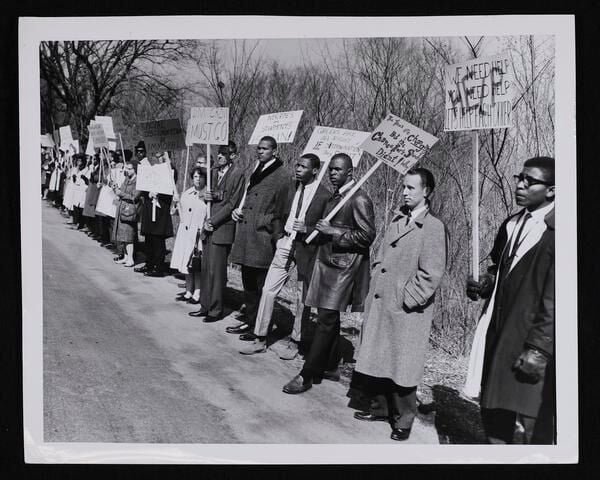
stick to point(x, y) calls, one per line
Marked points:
point(331, 240)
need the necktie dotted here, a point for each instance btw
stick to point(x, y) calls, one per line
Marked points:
point(299, 207)
point(408, 215)
point(508, 259)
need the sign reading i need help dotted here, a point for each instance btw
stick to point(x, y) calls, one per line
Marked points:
point(398, 143)
point(155, 178)
point(208, 126)
point(325, 142)
point(479, 94)
point(281, 126)
point(162, 136)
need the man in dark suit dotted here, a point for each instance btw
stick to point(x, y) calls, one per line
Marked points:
point(305, 207)
point(259, 225)
point(518, 379)
point(227, 184)
point(340, 276)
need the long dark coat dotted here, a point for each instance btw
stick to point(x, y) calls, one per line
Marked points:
point(255, 235)
point(399, 310)
point(523, 315)
point(125, 232)
point(91, 195)
point(227, 196)
point(340, 275)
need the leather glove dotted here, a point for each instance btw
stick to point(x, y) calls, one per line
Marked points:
point(530, 367)
point(481, 289)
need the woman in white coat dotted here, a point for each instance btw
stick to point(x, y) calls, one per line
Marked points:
point(192, 212)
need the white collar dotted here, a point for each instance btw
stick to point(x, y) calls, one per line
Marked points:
point(539, 214)
point(268, 164)
point(417, 211)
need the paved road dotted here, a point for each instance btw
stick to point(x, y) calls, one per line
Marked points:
point(124, 363)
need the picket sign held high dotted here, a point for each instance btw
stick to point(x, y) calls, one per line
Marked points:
point(208, 175)
point(347, 197)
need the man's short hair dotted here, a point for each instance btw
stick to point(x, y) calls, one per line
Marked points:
point(232, 146)
point(224, 149)
point(545, 164)
point(315, 161)
point(271, 140)
point(427, 179)
point(345, 157)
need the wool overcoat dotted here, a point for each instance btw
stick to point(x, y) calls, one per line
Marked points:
point(263, 210)
point(523, 315)
point(340, 275)
point(406, 274)
point(227, 195)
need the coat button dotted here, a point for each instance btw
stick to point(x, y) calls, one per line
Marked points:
point(376, 295)
point(190, 210)
point(383, 270)
point(186, 227)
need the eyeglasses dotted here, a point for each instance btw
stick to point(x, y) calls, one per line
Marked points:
point(529, 181)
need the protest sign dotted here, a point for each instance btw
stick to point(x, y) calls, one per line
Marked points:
point(208, 125)
point(97, 136)
point(162, 135)
point(73, 147)
point(118, 122)
point(398, 143)
point(89, 150)
point(479, 94)
point(106, 203)
point(107, 125)
point(155, 178)
point(66, 137)
point(46, 140)
point(327, 141)
point(281, 126)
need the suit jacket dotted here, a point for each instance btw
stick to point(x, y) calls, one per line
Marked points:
point(340, 275)
point(227, 196)
point(263, 210)
point(523, 315)
point(399, 310)
point(163, 225)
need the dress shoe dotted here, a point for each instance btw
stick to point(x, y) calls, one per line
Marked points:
point(257, 346)
point(121, 261)
point(200, 313)
point(332, 375)
point(128, 264)
point(247, 337)
point(154, 273)
point(118, 257)
point(400, 434)
point(212, 318)
point(243, 328)
point(142, 269)
point(297, 385)
point(369, 417)
point(289, 351)
point(182, 298)
point(193, 301)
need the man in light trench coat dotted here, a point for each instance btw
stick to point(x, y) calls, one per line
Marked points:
point(399, 310)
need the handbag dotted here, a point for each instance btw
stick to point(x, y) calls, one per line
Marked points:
point(195, 262)
point(128, 212)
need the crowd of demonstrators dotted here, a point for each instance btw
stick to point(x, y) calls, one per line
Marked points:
point(259, 220)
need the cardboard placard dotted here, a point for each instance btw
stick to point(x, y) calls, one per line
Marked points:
point(327, 141)
point(162, 135)
point(107, 125)
point(281, 126)
point(479, 94)
point(66, 137)
point(107, 203)
point(46, 140)
point(398, 143)
point(97, 136)
point(208, 126)
point(155, 178)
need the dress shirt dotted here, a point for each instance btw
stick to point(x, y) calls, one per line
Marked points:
point(309, 191)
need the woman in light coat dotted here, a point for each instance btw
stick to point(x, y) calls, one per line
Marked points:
point(192, 211)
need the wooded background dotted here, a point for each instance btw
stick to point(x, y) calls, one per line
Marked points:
point(352, 87)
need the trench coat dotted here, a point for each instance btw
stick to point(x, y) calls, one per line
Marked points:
point(192, 210)
point(523, 315)
point(227, 195)
point(340, 275)
point(126, 232)
point(256, 233)
point(406, 274)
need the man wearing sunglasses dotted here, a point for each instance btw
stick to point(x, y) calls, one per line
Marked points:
point(517, 368)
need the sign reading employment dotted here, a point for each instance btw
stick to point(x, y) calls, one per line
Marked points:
point(162, 135)
point(325, 142)
point(281, 126)
point(208, 126)
point(155, 178)
point(97, 135)
point(479, 94)
point(398, 143)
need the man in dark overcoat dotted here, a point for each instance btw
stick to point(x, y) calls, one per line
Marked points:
point(259, 225)
point(305, 206)
point(156, 227)
point(340, 275)
point(518, 381)
point(227, 187)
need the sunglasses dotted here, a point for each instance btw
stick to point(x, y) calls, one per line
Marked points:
point(529, 181)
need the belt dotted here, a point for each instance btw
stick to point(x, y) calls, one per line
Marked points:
point(126, 200)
